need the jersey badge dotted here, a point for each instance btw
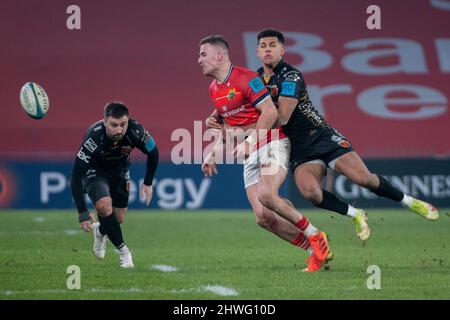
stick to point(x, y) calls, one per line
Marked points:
point(256, 84)
point(231, 94)
point(341, 141)
point(288, 88)
point(90, 145)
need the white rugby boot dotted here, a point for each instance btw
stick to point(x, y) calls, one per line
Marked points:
point(99, 248)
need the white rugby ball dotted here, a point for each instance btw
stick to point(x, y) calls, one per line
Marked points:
point(34, 100)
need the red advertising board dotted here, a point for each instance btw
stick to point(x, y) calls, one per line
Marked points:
point(386, 89)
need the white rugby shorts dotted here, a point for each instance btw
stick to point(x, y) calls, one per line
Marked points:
point(275, 153)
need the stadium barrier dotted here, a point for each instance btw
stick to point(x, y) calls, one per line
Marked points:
point(425, 178)
point(44, 185)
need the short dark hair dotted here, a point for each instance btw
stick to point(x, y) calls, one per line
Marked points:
point(116, 110)
point(217, 40)
point(271, 33)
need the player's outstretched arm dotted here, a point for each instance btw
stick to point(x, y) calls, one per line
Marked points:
point(209, 165)
point(145, 142)
point(77, 189)
point(152, 165)
point(147, 192)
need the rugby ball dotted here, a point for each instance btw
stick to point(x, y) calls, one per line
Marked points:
point(34, 100)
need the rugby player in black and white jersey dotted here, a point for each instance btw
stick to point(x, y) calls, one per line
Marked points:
point(101, 169)
point(315, 145)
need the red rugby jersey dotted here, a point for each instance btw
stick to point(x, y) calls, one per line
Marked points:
point(235, 99)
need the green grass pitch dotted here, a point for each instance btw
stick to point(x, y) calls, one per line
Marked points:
point(222, 255)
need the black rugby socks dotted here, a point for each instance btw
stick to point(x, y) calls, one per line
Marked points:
point(333, 203)
point(387, 190)
point(110, 227)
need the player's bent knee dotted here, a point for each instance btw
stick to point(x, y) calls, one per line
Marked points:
point(365, 180)
point(265, 220)
point(312, 193)
point(267, 198)
point(104, 206)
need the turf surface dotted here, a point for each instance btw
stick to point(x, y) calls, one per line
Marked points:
point(222, 255)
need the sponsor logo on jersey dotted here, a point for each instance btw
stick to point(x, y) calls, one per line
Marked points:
point(292, 76)
point(83, 157)
point(150, 143)
point(341, 141)
point(288, 88)
point(231, 94)
point(256, 84)
point(90, 145)
point(233, 112)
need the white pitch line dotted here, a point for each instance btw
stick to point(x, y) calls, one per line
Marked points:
point(12, 292)
point(216, 289)
point(94, 290)
point(39, 219)
point(130, 290)
point(220, 290)
point(72, 232)
point(164, 268)
point(69, 232)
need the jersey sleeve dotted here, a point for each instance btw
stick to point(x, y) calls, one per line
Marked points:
point(141, 138)
point(145, 142)
point(292, 84)
point(87, 152)
point(253, 87)
point(83, 162)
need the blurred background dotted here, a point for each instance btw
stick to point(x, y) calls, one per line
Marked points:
point(387, 90)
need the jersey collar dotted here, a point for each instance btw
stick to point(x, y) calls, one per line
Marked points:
point(279, 66)
point(228, 74)
point(276, 70)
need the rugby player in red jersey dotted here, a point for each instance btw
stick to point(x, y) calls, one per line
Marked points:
point(241, 99)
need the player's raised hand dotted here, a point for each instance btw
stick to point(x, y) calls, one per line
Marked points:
point(147, 191)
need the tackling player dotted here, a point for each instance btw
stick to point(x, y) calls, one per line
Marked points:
point(315, 145)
